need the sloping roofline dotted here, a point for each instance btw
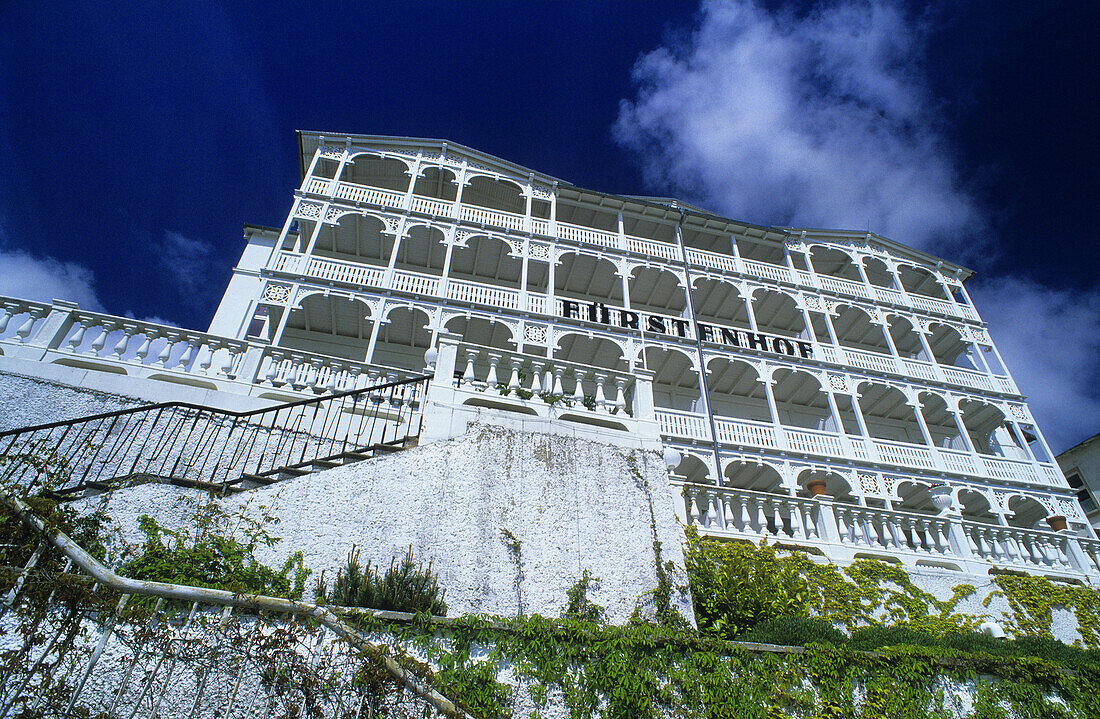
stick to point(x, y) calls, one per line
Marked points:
point(309, 140)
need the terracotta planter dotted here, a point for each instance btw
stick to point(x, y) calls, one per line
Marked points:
point(816, 487)
point(1057, 522)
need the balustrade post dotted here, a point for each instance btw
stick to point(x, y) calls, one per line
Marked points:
point(249, 368)
point(559, 389)
point(439, 400)
point(55, 325)
point(536, 378)
point(78, 337)
point(25, 330)
point(170, 339)
point(825, 520)
point(601, 397)
point(146, 345)
point(123, 344)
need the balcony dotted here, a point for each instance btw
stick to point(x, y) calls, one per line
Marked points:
point(736, 434)
point(845, 532)
point(360, 194)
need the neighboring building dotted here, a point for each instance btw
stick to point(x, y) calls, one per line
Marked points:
point(1081, 465)
point(833, 388)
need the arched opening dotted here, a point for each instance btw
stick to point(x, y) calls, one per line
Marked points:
point(487, 260)
point(778, 314)
point(982, 422)
point(735, 390)
point(878, 274)
point(356, 238)
point(402, 339)
point(596, 352)
point(692, 469)
point(950, 349)
point(422, 250)
point(741, 474)
point(376, 171)
point(656, 290)
point(921, 282)
point(831, 262)
point(676, 382)
point(481, 331)
point(493, 194)
point(719, 302)
point(915, 497)
point(976, 507)
point(836, 486)
point(887, 414)
point(437, 183)
point(800, 400)
point(854, 329)
point(1027, 513)
point(586, 278)
point(940, 422)
point(905, 338)
point(331, 325)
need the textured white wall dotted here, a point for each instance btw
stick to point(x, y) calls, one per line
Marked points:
point(573, 504)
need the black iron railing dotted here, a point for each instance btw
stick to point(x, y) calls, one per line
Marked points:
point(215, 449)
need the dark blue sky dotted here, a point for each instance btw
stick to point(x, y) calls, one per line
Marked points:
point(123, 126)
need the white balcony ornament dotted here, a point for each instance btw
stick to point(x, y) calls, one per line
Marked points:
point(672, 458)
point(941, 497)
point(430, 357)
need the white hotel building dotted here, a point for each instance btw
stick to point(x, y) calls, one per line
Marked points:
point(833, 390)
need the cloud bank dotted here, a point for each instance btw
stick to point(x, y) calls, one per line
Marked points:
point(44, 279)
point(814, 121)
point(825, 119)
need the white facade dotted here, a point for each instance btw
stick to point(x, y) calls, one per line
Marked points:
point(834, 389)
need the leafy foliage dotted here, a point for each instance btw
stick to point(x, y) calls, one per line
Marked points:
point(736, 586)
point(212, 557)
point(794, 631)
point(579, 605)
point(405, 587)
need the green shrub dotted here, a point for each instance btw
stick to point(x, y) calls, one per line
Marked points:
point(213, 558)
point(794, 632)
point(405, 587)
point(736, 586)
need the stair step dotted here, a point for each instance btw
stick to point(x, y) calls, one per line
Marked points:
point(263, 479)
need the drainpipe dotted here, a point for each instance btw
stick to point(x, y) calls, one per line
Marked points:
point(705, 392)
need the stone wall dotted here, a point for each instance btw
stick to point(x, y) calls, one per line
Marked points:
point(572, 505)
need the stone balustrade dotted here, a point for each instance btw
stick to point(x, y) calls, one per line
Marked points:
point(360, 194)
point(504, 373)
point(62, 334)
point(937, 540)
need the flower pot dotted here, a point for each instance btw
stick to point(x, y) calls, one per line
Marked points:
point(816, 487)
point(1057, 522)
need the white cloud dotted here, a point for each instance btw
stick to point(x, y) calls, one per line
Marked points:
point(1050, 340)
point(188, 262)
point(28, 277)
point(825, 120)
point(820, 121)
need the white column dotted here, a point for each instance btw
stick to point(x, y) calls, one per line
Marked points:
point(957, 416)
point(387, 278)
point(374, 330)
point(780, 436)
point(936, 369)
point(406, 204)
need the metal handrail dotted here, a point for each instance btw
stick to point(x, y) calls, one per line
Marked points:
point(212, 448)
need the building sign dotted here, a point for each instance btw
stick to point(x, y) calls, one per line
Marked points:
point(680, 327)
